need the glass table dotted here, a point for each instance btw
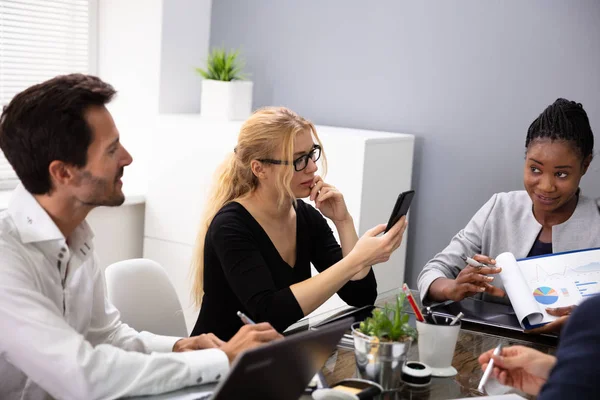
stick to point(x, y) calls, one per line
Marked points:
point(472, 341)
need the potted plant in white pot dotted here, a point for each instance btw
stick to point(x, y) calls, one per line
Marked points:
point(382, 343)
point(225, 92)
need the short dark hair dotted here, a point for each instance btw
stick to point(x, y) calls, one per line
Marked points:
point(46, 122)
point(564, 120)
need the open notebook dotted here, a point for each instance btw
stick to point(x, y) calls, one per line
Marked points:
point(553, 280)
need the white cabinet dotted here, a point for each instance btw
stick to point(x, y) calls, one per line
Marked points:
point(370, 168)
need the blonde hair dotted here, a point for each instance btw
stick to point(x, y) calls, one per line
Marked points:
point(268, 131)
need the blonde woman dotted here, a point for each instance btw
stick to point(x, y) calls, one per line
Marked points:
point(256, 244)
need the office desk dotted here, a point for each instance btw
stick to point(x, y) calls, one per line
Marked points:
point(470, 345)
point(472, 341)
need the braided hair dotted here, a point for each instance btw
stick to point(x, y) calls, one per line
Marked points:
point(566, 121)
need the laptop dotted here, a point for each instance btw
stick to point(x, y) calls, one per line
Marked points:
point(280, 370)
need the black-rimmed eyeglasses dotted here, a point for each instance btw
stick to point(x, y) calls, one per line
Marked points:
point(301, 162)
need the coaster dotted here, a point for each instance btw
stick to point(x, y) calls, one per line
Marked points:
point(443, 372)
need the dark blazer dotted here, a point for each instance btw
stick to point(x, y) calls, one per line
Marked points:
point(576, 374)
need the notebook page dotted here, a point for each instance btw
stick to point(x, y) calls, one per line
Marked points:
point(518, 291)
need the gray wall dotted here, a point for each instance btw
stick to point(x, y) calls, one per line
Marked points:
point(466, 77)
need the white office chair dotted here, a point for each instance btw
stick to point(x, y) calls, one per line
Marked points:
point(142, 292)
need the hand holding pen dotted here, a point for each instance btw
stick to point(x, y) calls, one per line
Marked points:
point(489, 369)
point(520, 367)
point(476, 264)
point(249, 336)
point(473, 279)
point(245, 319)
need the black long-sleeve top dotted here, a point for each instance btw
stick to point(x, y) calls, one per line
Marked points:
point(244, 271)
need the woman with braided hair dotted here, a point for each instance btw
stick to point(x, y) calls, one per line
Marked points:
point(549, 216)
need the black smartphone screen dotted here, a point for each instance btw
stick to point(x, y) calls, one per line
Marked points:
point(400, 208)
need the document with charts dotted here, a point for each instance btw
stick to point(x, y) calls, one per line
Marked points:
point(553, 280)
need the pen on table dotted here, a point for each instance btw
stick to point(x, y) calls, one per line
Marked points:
point(413, 303)
point(489, 369)
point(474, 263)
point(457, 318)
point(245, 318)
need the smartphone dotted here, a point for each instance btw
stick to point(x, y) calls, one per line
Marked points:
point(401, 208)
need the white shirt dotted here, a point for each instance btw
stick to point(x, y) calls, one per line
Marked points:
point(60, 336)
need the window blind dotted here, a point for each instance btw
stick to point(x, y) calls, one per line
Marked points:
point(40, 39)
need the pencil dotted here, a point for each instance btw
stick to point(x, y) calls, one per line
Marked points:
point(413, 303)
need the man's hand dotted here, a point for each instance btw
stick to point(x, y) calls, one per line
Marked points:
point(249, 337)
point(520, 367)
point(204, 341)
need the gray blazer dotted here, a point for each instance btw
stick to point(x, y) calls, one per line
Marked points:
point(506, 223)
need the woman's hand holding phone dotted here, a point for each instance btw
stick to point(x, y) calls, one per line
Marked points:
point(400, 208)
point(373, 249)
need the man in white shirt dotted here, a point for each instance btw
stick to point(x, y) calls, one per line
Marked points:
point(60, 337)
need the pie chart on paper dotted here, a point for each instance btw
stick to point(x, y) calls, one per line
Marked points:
point(545, 295)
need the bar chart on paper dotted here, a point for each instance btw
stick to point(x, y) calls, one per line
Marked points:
point(564, 278)
point(587, 289)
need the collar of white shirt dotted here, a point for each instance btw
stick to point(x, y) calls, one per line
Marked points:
point(34, 225)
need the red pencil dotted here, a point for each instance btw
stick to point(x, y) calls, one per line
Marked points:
point(413, 303)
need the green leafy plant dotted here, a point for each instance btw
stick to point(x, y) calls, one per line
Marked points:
point(389, 324)
point(223, 65)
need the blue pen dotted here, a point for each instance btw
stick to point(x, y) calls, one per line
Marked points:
point(245, 318)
